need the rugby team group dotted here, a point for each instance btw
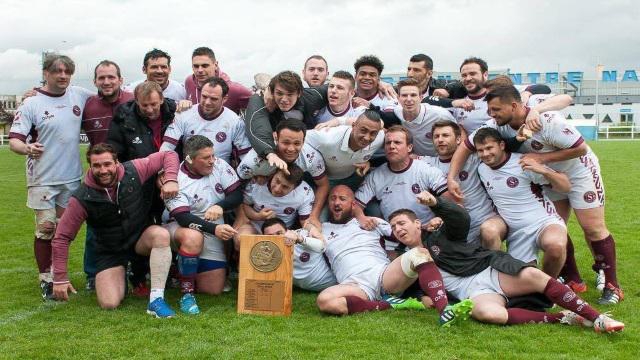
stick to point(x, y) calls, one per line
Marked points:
point(392, 196)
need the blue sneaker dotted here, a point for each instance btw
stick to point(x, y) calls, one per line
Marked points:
point(188, 305)
point(160, 309)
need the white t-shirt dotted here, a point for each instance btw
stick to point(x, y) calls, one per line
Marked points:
point(226, 131)
point(398, 189)
point(54, 121)
point(355, 254)
point(325, 114)
point(296, 204)
point(476, 200)
point(339, 159)
point(309, 161)
point(175, 90)
point(516, 194)
point(420, 127)
point(471, 120)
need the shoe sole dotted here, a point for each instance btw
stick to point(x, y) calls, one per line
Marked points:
point(611, 329)
point(154, 314)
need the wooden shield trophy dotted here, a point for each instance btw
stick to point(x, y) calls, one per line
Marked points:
point(265, 283)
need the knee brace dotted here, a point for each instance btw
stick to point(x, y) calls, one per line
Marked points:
point(46, 224)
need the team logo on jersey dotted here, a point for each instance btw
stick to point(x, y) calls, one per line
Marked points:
point(221, 137)
point(428, 135)
point(97, 124)
point(47, 116)
point(567, 131)
point(386, 191)
point(415, 188)
point(463, 175)
point(435, 249)
point(136, 140)
point(589, 196)
point(332, 236)
point(76, 110)
point(219, 188)
point(289, 210)
point(304, 257)
point(536, 145)
point(512, 181)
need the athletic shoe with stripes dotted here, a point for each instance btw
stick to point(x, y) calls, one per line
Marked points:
point(600, 280)
point(455, 313)
point(160, 309)
point(571, 318)
point(611, 295)
point(401, 304)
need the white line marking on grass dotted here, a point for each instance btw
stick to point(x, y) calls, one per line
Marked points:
point(23, 315)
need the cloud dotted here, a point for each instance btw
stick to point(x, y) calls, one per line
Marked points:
point(269, 36)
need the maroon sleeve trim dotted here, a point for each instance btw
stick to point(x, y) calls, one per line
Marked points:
point(577, 143)
point(170, 140)
point(324, 173)
point(14, 135)
point(469, 145)
point(179, 210)
point(232, 187)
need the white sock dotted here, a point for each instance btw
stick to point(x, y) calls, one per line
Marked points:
point(156, 293)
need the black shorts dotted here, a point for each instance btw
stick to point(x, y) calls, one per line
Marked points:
point(106, 260)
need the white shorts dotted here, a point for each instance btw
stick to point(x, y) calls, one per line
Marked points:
point(369, 281)
point(587, 188)
point(212, 248)
point(49, 196)
point(468, 287)
point(523, 244)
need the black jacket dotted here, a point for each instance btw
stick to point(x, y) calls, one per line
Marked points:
point(260, 124)
point(129, 133)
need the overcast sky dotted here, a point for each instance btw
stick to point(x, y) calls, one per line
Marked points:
point(269, 36)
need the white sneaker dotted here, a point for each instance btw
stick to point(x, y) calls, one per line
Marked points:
point(600, 280)
point(606, 324)
point(227, 286)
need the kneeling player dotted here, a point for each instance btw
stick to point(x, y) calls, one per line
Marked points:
point(310, 269)
point(489, 277)
point(112, 202)
point(199, 230)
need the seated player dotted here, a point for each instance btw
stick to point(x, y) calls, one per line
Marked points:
point(112, 201)
point(204, 181)
point(284, 196)
point(365, 275)
point(290, 146)
point(311, 270)
point(514, 184)
point(490, 277)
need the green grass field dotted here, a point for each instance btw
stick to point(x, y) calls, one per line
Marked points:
point(31, 329)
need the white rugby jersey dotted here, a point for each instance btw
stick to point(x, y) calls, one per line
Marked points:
point(226, 131)
point(54, 121)
point(311, 270)
point(420, 127)
point(398, 189)
point(516, 194)
point(471, 120)
point(198, 193)
point(325, 114)
point(175, 90)
point(297, 203)
point(354, 253)
point(556, 134)
point(333, 144)
point(309, 161)
point(476, 200)
point(384, 103)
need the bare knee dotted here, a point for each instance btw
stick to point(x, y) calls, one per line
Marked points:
point(109, 303)
point(159, 236)
point(555, 250)
point(191, 241)
point(331, 305)
point(490, 314)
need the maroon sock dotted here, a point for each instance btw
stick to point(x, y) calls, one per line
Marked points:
point(523, 316)
point(358, 305)
point(605, 257)
point(42, 252)
point(562, 295)
point(431, 283)
point(570, 270)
